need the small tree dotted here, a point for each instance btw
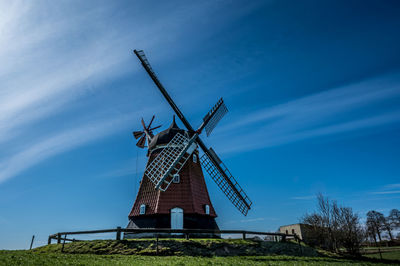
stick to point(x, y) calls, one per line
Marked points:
point(387, 226)
point(333, 226)
point(375, 222)
point(351, 232)
point(394, 218)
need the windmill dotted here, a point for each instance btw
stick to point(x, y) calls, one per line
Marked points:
point(173, 192)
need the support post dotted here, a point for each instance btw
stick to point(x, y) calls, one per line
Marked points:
point(244, 235)
point(58, 238)
point(298, 241)
point(33, 237)
point(118, 233)
point(283, 238)
point(157, 244)
point(62, 248)
point(187, 236)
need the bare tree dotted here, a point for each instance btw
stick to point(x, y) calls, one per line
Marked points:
point(350, 230)
point(334, 226)
point(375, 221)
point(394, 218)
point(387, 226)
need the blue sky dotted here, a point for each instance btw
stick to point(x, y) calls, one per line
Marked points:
point(312, 88)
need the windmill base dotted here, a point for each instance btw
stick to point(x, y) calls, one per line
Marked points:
point(190, 221)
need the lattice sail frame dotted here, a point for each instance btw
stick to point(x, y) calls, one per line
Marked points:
point(170, 161)
point(223, 184)
point(145, 61)
point(217, 112)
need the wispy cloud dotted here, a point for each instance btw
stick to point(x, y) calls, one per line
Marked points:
point(55, 55)
point(303, 198)
point(59, 143)
point(339, 110)
point(386, 192)
point(252, 220)
point(391, 186)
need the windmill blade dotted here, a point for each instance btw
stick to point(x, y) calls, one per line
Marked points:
point(170, 161)
point(137, 134)
point(141, 56)
point(145, 63)
point(151, 121)
point(212, 118)
point(225, 181)
point(142, 141)
point(151, 129)
point(143, 124)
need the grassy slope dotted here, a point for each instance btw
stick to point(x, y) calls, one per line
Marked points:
point(174, 252)
point(389, 255)
point(196, 247)
point(34, 258)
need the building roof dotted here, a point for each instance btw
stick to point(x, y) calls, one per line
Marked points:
point(165, 136)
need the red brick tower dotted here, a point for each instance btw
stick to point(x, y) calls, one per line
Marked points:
point(186, 203)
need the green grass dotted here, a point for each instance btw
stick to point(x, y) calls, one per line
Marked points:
point(388, 255)
point(180, 247)
point(34, 258)
point(183, 252)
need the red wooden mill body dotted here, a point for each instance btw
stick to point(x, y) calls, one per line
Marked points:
point(163, 209)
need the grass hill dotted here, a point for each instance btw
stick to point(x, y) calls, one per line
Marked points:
point(179, 247)
point(177, 252)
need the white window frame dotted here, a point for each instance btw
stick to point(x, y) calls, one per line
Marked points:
point(142, 209)
point(194, 158)
point(207, 209)
point(176, 179)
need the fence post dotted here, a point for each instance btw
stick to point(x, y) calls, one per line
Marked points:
point(49, 240)
point(119, 233)
point(187, 236)
point(58, 238)
point(33, 237)
point(62, 248)
point(298, 241)
point(283, 238)
point(157, 244)
point(244, 235)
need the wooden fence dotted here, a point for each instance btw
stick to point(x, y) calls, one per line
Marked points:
point(62, 236)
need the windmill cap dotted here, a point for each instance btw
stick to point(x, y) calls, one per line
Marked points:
point(165, 136)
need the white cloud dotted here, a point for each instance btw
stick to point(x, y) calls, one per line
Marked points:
point(52, 53)
point(59, 143)
point(303, 198)
point(335, 111)
point(389, 186)
point(386, 192)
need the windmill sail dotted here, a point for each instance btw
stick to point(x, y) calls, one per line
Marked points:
point(214, 116)
point(235, 194)
point(170, 161)
point(217, 170)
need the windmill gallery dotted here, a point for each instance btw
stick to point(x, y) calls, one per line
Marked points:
point(173, 192)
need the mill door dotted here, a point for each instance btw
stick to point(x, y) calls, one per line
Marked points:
point(176, 218)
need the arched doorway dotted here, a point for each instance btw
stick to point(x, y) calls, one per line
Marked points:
point(176, 218)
